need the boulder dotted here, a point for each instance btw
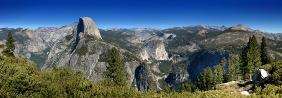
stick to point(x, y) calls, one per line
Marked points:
point(260, 76)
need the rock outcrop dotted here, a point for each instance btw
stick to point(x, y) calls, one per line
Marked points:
point(173, 79)
point(142, 78)
point(87, 26)
point(85, 51)
point(155, 48)
point(260, 76)
point(240, 27)
point(81, 50)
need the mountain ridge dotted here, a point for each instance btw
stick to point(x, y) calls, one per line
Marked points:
point(84, 49)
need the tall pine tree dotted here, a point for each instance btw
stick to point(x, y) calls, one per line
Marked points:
point(250, 58)
point(232, 70)
point(116, 70)
point(10, 46)
point(263, 52)
point(206, 81)
point(253, 55)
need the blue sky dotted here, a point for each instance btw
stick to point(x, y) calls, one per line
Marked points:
point(265, 15)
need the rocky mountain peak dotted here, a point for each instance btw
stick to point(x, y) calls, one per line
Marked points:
point(87, 26)
point(241, 27)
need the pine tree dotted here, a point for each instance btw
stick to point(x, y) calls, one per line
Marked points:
point(245, 69)
point(206, 79)
point(232, 72)
point(263, 52)
point(115, 70)
point(218, 74)
point(10, 46)
point(250, 58)
point(253, 55)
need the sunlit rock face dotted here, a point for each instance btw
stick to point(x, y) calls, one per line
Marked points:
point(241, 27)
point(87, 26)
point(156, 49)
point(85, 51)
point(260, 76)
point(80, 50)
point(144, 55)
point(43, 38)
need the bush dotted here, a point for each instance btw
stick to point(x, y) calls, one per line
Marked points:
point(20, 78)
point(271, 89)
point(275, 71)
point(17, 77)
point(64, 82)
point(109, 89)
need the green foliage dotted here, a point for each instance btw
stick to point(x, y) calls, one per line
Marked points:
point(265, 59)
point(17, 76)
point(269, 90)
point(115, 70)
point(232, 72)
point(245, 69)
point(209, 77)
point(64, 82)
point(218, 74)
point(250, 58)
point(187, 87)
point(206, 80)
point(253, 55)
point(10, 46)
point(20, 78)
point(275, 71)
point(109, 89)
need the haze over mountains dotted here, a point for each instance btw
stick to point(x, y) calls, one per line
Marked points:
point(185, 50)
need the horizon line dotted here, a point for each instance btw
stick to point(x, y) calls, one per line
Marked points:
point(137, 27)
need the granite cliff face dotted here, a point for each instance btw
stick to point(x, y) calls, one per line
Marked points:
point(87, 26)
point(147, 44)
point(155, 49)
point(81, 50)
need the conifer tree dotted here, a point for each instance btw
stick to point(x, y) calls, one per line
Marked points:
point(263, 52)
point(253, 55)
point(250, 58)
point(218, 74)
point(205, 80)
point(232, 72)
point(115, 69)
point(245, 69)
point(10, 46)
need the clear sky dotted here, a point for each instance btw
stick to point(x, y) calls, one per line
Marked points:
point(265, 15)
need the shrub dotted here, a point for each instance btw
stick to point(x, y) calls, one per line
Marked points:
point(17, 76)
point(271, 89)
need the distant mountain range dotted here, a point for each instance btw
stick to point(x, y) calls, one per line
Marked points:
point(187, 50)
